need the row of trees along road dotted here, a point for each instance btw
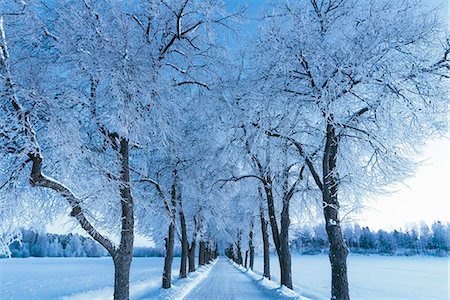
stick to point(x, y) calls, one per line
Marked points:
point(139, 117)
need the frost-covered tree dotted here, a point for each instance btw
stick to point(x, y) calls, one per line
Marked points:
point(425, 235)
point(39, 249)
point(104, 93)
point(356, 87)
point(440, 239)
point(189, 62)
point(269, 163)
point(54, 248)
point(56, 136)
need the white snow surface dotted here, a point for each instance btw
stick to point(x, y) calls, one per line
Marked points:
point(76, 278)
point(371, 277)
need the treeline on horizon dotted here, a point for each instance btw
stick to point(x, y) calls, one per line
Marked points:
point(37, 243)
point(416, 240)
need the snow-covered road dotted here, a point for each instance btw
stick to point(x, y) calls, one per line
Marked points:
point(227, 282)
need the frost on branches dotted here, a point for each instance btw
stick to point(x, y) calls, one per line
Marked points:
point(142, 117)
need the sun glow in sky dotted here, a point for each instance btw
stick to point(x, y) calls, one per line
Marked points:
point(424, 197)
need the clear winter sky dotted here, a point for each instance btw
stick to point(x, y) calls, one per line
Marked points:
point(424, 197)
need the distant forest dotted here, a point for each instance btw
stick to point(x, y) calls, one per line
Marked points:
point(36, 243)
point(416, 240)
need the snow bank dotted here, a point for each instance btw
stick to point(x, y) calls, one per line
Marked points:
point(137, 291)
point(270, 285)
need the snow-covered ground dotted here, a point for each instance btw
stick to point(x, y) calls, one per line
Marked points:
point(371, 277)
point(54, 278)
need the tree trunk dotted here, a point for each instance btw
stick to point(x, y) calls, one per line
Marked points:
point(338, 260)
point(122, 261)
point(184, 239)
point(210, 253)
point(265, 238)
point(272, 215)
point(169, 243)
point(285, 259)
point(201, 253)
point(191, 256)
point(216, 250)
point(251, 249)
point(281, 240)
point(207, 253)
point(122, 264)
point(238, 250)
point(246, 259)
point(338, 248)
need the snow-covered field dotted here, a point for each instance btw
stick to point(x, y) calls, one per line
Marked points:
point(54, 278)
point(371, 277)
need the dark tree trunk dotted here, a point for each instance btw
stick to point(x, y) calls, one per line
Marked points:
point(265, 238)
point(169, 242)
point(216, 250)
point(191, 256)
point(123, 256)
point(338, 248)
point(210, 253)
point(285, 259)
point(251, 249)
point(170, 239)
point(246, 259)
point(338, 260)
point(201, 253)
point(238, 250)
point(240, 260)
point(239, 256)
point(184, 239)
point(281, 242)
point(206, 254)
point(122, 266)
point(272, 215)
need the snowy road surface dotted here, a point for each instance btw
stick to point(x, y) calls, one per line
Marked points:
point(227, 282)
